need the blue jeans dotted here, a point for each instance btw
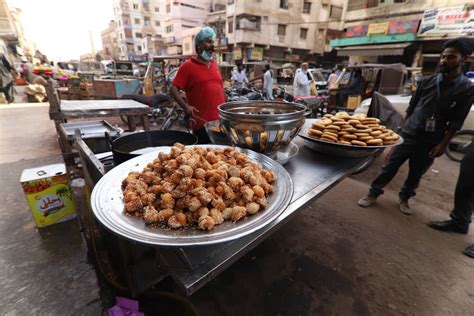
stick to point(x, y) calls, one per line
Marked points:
point(419, 160)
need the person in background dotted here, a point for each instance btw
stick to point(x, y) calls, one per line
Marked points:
point(268, 82)
point(354, 88)
point(332, 80)
point(436, 111)
point(201, 80)
point(463, 201)
point(239, 77)
point(7, 75)
point(302, 83)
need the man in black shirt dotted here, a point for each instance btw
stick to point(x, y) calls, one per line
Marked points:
point(436, 111)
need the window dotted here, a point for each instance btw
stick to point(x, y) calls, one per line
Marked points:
point(303, 33)
point(147, 22)
point(230, 1)
point(135, 6)
point(321, 32)
point(168, 8)
point(399, 1)
point(248, 22)
point(157, 9)
point(146, 6)
point(284, 4)
point(157, 23)
point(306, 7)
point(335, 13)
point(119, 23)
point(139, 48)
point(137, 21)
point(230, 26)
point(121, 36)
point(281, 29)
point(186, 46)
point(169, 28)
point(138, 35)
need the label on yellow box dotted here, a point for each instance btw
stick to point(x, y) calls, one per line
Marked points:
point(50, 198)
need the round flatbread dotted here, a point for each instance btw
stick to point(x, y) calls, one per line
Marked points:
point(349, 137)
point(318, 126)
point(354, 122)
point(335, 127)
point(358, 143)
point(344, 142)
point(339, 123)
point(327, 139)
point(361, 126)
point(333, 134)
point(361, 134)
point(365, 138)
point(375, 133)
point(375, 142)
point(315, 132)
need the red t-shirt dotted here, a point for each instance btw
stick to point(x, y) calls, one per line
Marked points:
point(204, 89)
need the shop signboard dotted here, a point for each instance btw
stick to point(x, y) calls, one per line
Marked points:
point(237, 53)
point(357, 31)
point(456, 20)
point(255, 53)
point(378, 28)
point(403, 27)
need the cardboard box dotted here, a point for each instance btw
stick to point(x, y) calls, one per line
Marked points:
point(353, 101)
point(48, 194)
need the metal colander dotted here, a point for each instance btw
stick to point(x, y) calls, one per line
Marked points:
point(262, 126)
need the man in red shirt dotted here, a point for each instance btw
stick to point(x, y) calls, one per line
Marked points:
point(201, 79)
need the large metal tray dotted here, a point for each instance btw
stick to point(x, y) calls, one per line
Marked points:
point(89, 129)
point(107, 205)
point(335, 149)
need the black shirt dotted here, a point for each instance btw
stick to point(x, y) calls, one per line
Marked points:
point(449, 109)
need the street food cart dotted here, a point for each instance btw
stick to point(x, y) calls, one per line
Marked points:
point(138, 258)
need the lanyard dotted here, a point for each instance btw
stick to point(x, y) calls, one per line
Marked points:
point(438, 89)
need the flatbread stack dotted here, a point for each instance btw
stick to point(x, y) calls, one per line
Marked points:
point(355, 130)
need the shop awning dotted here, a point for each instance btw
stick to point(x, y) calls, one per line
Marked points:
point(373, 50)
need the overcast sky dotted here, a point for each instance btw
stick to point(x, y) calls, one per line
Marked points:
point(60, 28)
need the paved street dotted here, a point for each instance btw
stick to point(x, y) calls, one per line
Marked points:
point(333, 258)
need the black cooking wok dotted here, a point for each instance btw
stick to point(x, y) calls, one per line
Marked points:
point(136, 144)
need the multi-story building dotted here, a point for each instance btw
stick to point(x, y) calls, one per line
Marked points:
point(139, 23)
point(407, 31)
point(180, 16)
point(110, 41)
point(282, 30)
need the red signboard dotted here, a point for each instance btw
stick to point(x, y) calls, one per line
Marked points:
point(403, 27)
point(357, 31)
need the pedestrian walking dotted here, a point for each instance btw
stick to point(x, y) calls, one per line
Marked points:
point(268, 82)
point(7, 75)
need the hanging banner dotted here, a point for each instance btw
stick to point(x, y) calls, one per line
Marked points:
point(357, 31)
point(403, 27)
point(237, 53)
point(378, 28)
point(255, 53)
point(457, 20)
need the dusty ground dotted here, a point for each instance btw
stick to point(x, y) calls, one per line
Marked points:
point(333, 258)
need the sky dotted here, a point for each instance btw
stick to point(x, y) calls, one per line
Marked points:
point(60, 28)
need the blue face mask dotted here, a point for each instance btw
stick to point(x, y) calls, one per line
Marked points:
point(206, 56)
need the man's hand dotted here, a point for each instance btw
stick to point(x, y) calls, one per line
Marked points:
point(191, 110)
point(438, 150)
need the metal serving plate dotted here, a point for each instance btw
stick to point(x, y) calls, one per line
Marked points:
point(284, 154)
point(335, 149)
point(108, 207)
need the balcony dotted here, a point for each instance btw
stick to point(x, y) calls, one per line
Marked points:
point(248, 22)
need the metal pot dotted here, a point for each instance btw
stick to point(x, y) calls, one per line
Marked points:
point(136, 144)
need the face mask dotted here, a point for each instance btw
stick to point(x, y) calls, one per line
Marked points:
point(206, 56)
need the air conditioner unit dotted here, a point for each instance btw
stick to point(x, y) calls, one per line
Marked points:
point(281, 38)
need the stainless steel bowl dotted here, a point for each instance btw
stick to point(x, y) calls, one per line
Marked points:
point(218, 138)
point(262, 126)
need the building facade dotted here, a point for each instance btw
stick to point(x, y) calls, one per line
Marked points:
point(406, 31)
point(282, 30)
point(138, 23)
point(181, 16)
point(110, 41)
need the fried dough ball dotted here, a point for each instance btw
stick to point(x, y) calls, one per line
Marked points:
point(150, 215)
point(199, 185)
point(206, 223)
point(167, 200)
point(238, 212)
point(252, 208)
point(177, 220)
point(217, 216)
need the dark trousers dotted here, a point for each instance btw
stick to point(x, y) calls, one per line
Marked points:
point(8, 92)
point(419, 160)
point(464, 193)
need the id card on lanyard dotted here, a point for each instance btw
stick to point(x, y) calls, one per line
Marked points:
point(430, 125)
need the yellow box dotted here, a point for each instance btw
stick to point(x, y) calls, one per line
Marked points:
point(353, 101)
point(48, 194)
